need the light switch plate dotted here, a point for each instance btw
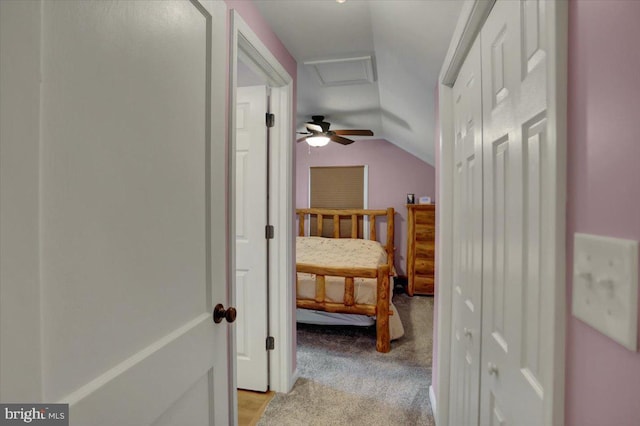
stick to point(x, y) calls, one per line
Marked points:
point(605, 286)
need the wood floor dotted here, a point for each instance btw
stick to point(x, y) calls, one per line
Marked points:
point(251, 405)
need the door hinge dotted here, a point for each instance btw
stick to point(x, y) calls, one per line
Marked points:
point(271, 343)
point(271, 119)
point(268, 232)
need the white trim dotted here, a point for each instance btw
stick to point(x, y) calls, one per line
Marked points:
point(282, 298)
point(365, 196)
point(432, 400)
point(219, 207)
point(469, 23)
point(444, 252)
point(294, 377)
point(245, 42)
point(307, 222)
point(472, 16)
point(557, 23)
point(366, 232)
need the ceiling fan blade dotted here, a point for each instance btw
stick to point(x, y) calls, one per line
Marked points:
point(340, 139)
point(302, 139)
point(354, 132)
point(314, 127)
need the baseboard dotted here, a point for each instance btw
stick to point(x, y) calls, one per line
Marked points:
point(432, 399)
point(294, 378)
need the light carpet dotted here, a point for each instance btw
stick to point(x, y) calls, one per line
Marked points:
point(344, 381)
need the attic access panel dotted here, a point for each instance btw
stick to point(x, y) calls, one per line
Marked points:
point(344, 71)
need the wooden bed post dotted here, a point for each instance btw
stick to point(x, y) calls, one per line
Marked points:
point(349, 291)
point(301, 224)
point(354, 226)
point(383, 339)
point(372, 228)
point(390, 237)
point(320, 288)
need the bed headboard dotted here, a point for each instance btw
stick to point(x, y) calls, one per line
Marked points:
point(355, 215)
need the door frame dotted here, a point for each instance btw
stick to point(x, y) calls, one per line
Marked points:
point(472, 17)
point(246, 44)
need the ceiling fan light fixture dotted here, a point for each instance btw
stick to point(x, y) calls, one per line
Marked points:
point(318, 141)
point(340, 1)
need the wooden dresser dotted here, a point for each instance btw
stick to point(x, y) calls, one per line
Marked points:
point(421, 248)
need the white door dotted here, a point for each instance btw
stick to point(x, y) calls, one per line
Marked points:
point(251, 244)
point(467, 243)
point(113, 247)
point(517, 188)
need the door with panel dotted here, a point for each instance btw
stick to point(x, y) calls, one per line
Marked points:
point(122, 192)
point(251, 245)
point(516, 154)
point(467, 243)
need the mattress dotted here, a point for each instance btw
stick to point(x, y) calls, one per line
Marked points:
point(345, 253)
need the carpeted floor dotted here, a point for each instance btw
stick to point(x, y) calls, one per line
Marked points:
point(344, 381)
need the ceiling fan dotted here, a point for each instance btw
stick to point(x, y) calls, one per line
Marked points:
point(318, 133)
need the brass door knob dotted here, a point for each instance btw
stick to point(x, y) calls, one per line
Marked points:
point(220, 313)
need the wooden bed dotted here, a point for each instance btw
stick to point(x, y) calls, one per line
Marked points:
point(382, 273)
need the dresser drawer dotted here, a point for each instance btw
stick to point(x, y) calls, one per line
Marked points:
point(423, 285)
point(426, 217)
point(424, 266)
point(425, 232)
point(425, 249)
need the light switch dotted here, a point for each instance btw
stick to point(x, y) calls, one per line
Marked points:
point(605, 286)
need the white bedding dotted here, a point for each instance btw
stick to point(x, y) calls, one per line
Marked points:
point(349, 253)
point(311, 316)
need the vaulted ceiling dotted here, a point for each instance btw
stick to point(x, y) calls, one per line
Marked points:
point(407, 41)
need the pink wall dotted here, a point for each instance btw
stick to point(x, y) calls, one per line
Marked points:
point(392, 174)
point(602, 377)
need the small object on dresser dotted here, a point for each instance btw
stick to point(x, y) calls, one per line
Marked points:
point(411, 198)
point(424, 200)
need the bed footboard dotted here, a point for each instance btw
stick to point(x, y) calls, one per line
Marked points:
point(354, 215)
point(380, 309)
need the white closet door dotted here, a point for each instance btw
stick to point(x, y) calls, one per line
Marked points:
point(467, 244)
point(515, 189)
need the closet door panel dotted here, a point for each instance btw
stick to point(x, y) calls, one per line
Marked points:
point(515, 159)
point(467, 245)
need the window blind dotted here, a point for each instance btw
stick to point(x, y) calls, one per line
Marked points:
point(339, 187)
